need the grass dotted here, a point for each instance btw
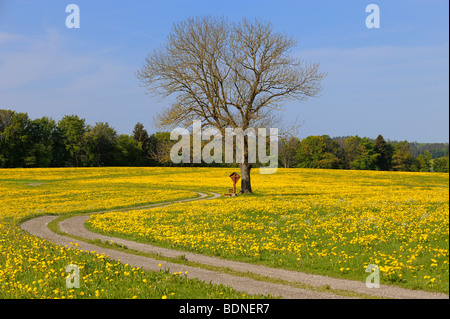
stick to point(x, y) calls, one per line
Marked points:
point(34, 268)
point(323, 211)
point(31, 267)
point(334, 224)
point(181, 259)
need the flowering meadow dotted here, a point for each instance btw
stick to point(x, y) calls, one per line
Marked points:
point(331, 222)
point(31, 267)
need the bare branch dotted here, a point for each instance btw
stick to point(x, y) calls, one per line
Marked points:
point(227, 74)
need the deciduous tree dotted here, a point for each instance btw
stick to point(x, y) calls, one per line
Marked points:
point(403, 160)
point(73, 129)
point(228, 75)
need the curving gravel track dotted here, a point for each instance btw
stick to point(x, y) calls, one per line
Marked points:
point(75, 226)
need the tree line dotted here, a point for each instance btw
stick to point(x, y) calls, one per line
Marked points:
point(362, 153)
point(70, 142)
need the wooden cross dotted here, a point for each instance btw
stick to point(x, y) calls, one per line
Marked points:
point(234, 177)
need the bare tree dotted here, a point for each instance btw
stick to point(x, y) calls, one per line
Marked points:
point(233, 75)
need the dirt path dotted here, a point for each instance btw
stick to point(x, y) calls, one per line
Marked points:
point(75, 226)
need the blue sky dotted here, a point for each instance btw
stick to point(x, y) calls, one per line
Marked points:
point(391, 81)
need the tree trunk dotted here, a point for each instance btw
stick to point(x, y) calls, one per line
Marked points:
point(246, 186)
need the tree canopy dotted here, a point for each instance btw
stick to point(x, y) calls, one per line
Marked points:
point(228, 75)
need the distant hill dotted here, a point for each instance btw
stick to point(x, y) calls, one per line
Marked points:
point(436, 149)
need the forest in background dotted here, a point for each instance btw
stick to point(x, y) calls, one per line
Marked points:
point(70, 142)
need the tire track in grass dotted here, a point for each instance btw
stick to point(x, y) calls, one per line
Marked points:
point(311, 285)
